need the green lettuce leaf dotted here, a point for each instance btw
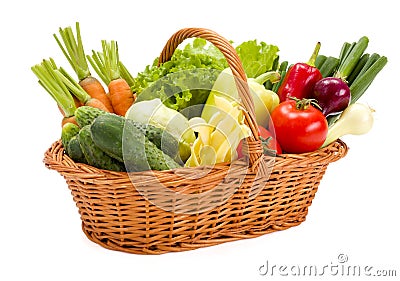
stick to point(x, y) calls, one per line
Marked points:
point(184, 82)
point(257, 58)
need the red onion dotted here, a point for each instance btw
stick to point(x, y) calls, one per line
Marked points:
point(333, 95)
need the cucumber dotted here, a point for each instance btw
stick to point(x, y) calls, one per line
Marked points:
point(140, 154)
point(157, 159)
point(163, 140)
point(74, 150)
point(107, 132)
point(94, 155)
point(125, 141)
point(68, 131)
point(86, 114)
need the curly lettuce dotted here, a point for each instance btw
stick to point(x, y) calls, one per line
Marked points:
point(184, 82)
point(257, 58)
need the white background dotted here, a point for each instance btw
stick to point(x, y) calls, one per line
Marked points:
point(355, 211)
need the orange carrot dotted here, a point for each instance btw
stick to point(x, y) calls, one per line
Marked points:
point(78, 91)
point(64, 90)
point(96, 103)
point(121, 96)
point(107, 66)
point(93, 87)
point(70, 119)
point(75, 54)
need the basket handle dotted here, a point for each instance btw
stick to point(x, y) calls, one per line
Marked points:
point(253, 141)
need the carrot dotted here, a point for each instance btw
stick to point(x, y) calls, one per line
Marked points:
point(75, 55)
point(107, 66)
point(121, 96)
point(70, 119)
point(52, 83)
point(93, 87)
point(96, 103)
point(78, 91)
point(62, 88)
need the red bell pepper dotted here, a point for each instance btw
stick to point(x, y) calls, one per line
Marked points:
point(300, 79)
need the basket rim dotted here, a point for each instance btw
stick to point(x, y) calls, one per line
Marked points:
point(55, 157)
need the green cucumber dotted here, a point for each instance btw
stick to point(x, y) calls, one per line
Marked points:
point(94, 155)
point(86, 114)
point(163, 140)
point(68, 131)
point(74, 150)
point(107, 131)
point(121, 138)
point(157, 159)
point(140, 154)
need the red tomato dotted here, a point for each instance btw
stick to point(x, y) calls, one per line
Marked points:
point(264, 133)
point(299, 129)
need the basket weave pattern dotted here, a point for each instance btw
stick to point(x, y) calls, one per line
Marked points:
point(118, 217)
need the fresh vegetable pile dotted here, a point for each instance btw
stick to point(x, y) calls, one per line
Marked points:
point(186, 112)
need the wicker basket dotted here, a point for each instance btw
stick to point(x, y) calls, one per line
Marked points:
point(249, 199)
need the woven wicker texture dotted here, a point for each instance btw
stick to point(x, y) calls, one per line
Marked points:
point(117, 216)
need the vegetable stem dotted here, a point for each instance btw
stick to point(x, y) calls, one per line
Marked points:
point(351, 60)
point(73, 50)
point(362, 82)
point(360, 64)
point(125, 74)
point(48, 78)
point(106, 64)
point(73, 86)
point(319, 61)
point(314, 55)
point(272, 76)
point(329, 66)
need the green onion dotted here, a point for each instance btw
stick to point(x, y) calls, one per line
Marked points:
point(319, 61)
point(329, 66)
point(362, 82)
point(360, 64)
point(350, 60)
